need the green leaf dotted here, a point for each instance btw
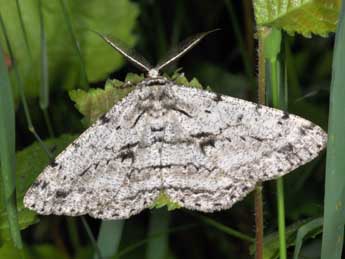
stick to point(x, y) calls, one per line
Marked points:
point(164, 200)
point(115, 18)
point(304, 16)
point(95, 102)
point(26, 173)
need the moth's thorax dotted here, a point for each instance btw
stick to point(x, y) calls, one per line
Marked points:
point(157, 100)
point(152, 81)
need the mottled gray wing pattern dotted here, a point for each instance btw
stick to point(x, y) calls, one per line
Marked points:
point(226, 145)
point(96, 174)
point(205, 151)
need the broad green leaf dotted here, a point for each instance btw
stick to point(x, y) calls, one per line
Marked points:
point(115, 18)
point(30, 162)
point(303, 16)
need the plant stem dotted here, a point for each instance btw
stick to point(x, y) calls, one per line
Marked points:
point(277, 92)
point(281, 218)
point(259, 221)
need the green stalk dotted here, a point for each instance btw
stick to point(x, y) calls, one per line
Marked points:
point(7, 152)
point(22, 26)
point(85, 82)
point(259, 218)
point(272, 50)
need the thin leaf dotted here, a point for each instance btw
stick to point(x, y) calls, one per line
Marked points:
point(225, 229)
point(22, 26)
point(20, 86)
point(303, 231)
point(84, 79)
point(7, 152)
point(44, 96)
point(44, 86)
point(334, 206)
point(109, 237)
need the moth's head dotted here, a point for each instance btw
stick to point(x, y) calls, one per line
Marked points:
point(142, 64)
point(153, 73)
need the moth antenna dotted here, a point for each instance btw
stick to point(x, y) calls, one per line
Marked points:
point(133, 57)
point(182, 49)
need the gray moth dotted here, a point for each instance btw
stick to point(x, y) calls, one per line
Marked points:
point(202, 150)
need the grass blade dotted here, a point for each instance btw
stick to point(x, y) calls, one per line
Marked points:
point(91, 236)
point(85, 82)
point(334, 209)
point(44, 87)
point(303, 231)
point(157, 247)
point(7, 152)
point(225, 229)
point(22, 26)
point(109, 237)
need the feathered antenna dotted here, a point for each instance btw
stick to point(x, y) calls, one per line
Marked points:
point(133, 57)
point(182, 49)
point(141, 62)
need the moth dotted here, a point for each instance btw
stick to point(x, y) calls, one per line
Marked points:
point(204, 151)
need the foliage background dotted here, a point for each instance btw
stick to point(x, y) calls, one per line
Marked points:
point(223, 61)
